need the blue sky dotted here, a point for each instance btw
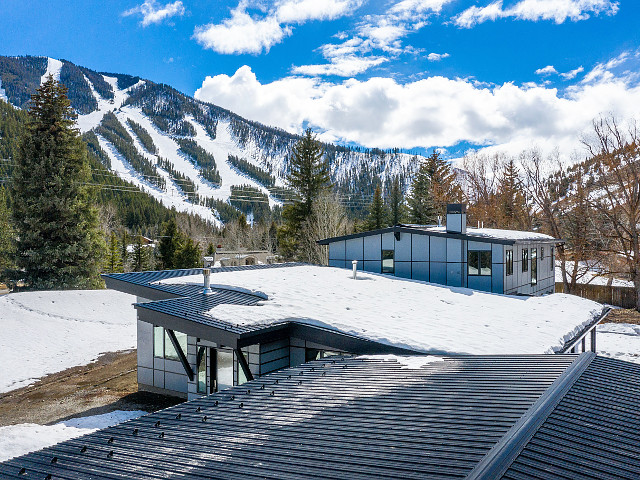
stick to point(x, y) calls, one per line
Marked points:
point(509, 74)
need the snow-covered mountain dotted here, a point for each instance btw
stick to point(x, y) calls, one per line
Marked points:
point(191, 155)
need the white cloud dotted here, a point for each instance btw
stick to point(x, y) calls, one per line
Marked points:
point(436, 57)
point(153, 12)
point(381, 34)
point(244, 33)
point(571, 74)
point(300, 11)
point(381, 112)
point(344, 66)
point(548, 70)
point(557, 10)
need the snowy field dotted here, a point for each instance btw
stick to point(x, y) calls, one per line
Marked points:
point(619, 340)
point(47, 332)
point(16, 440)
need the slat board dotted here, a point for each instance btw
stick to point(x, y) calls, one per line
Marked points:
point(333, 418)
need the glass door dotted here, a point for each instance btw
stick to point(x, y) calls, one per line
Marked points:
point(221, 369)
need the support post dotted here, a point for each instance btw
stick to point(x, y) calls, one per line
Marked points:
point(181, 355)
point(243, 364)
point(593, 340)
point(584, 343)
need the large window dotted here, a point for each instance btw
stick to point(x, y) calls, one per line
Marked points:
point(202, 369)
point(525, 259)
point(387, 261)
point(224, 369)
point(534, 266)
point(509, 262)
point(479, 262)
point(162, 346)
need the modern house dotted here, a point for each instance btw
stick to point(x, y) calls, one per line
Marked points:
point(463, 417)
point(205, 330)
point(487, 259)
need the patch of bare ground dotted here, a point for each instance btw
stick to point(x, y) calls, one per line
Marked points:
point(108, 384)
point(623, 315)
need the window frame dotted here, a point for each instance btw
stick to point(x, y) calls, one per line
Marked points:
point(392, 271)
point(508, 263)
point(480, 254)
point(525, 260)
point(200, 356)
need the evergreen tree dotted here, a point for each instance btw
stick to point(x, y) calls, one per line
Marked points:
point(377, 212)
point(189, 255)
point(309, 177)
point(58, 243)
point(7, 238)
point(170, 244)
point(141, 257)
point(124, 250)
point(443, 187)
point(114, 259)
point(421, 207)
point(513, 211)
point(396, 203)
point(211, 249)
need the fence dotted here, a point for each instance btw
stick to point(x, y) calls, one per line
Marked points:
point(624, 297)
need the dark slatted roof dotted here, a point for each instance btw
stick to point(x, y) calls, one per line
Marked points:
point(335, 418)
point(593, 433)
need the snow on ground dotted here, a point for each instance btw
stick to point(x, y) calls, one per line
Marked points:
point(590, 275)
point(50, 331)
point(405, 313)
point(3, 93)
point(619, 340)
point(16, 440)
point(53, 68)
point(169, 198)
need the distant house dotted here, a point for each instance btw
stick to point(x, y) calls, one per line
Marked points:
point(205, 330)
point(487, 259)
point(380, 417)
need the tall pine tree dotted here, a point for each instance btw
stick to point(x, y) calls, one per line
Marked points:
point(59, 246)
point(7, 238)
point(309, 177)
point(377, 212)
point(170, 244)
point(443, 187)
point(421, 207)
point(397, 209)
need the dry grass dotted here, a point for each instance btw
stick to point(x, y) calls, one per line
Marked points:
point(103, 386)
point(623, 315)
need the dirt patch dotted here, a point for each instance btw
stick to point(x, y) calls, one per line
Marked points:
point(108, 384)
point(623, 315)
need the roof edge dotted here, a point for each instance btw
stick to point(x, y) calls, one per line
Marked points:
point(498, 460)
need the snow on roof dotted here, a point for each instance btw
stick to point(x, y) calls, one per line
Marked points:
point(405, 313)
point(491, 233)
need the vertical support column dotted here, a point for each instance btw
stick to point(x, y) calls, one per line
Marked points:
point(593, 339)
point(584, 344)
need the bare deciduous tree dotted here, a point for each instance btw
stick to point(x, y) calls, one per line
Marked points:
point(616, 197)
point(328, 219)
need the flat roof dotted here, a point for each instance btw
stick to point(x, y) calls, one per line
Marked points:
point(373, 313)
point(486, 235)
point(398, 418)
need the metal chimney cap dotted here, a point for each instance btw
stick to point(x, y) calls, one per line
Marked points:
point(456, 208)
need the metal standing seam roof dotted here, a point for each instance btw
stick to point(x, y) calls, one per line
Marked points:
point(335, 418)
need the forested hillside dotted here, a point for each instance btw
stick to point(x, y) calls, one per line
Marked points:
point(195, 156)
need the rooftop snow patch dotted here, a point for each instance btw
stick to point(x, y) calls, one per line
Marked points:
point(410, 314)
point(493, 233)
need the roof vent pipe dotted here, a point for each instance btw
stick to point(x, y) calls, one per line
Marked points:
point(355, 268)
point(207, 280)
